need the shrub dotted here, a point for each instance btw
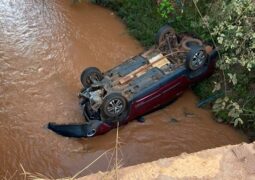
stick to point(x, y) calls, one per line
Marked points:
point(235, 33)
point(233, 29)
point(141, 17)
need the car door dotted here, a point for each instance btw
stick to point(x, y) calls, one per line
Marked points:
point(173, 89)
point(148, 102)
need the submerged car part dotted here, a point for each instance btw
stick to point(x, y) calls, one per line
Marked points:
point(88, 129)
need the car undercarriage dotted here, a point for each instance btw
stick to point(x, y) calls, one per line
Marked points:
point(145, 81)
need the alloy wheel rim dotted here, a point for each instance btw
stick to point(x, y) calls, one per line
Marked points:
point(115, 106)
point(198, 59)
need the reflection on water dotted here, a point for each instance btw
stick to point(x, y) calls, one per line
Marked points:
point(44, 45)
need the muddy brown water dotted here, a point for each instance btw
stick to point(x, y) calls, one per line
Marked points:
point(44, 45)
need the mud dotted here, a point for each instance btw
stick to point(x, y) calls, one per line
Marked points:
point(44, 45)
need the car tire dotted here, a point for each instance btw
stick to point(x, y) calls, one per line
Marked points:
point(196, 58)
point(163, 33)
point(114, 105)
point(89, 75)
point(190, 42)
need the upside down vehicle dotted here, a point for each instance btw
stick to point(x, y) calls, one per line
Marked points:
point(141, 84)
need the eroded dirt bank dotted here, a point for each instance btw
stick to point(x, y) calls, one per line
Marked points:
point(44, 45)
point(228, 163)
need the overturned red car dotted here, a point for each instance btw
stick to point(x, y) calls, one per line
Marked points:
point(141, 84)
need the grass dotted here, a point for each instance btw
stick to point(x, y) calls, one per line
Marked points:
point(111, 174)
point(9, 176)
point(141, 17)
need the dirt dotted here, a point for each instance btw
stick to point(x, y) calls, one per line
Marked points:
point(228, 163)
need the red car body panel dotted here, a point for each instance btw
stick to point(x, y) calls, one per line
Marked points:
point(165, 94)
point(161, 96)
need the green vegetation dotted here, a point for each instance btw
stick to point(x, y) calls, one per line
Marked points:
point(144, 17)
point(141, 17)
point(233, 29)
point(165, 9)
point(228, 24)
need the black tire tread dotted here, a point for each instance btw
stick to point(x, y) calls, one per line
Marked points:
point(86, 72)
point(161, 32)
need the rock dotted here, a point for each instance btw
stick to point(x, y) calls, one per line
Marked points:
point(141, 119)
point(219, 120)
point(188, 114)
point(173, 120)
point(40, 69)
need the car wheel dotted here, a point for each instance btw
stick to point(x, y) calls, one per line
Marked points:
point(166, 37)
point(190, 42)
point(196, 58)
point(114, 105)
point(89, 75)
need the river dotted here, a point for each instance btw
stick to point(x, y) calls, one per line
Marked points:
point(44, 46)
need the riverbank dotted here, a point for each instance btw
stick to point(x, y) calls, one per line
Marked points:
point(228, 162)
